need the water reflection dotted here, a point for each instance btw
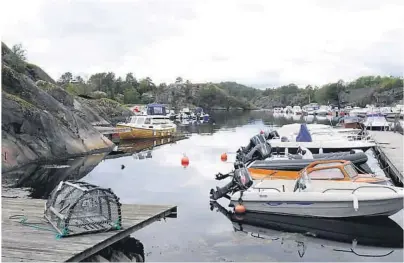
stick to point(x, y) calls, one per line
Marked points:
point(41, 179)
point(374, 237)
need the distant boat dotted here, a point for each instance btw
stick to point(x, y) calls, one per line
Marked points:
point(297, 110)
point(376, 121)
point(154, 124)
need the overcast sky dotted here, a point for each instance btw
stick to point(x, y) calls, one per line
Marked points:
point(253, 42)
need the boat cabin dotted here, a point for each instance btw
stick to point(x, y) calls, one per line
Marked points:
point(149, 119)
point(339, 170)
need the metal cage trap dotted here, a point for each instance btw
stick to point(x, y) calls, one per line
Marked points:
point(76, 207)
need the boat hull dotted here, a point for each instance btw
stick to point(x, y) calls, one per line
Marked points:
point(315, 147)
point(325, 209)
point(145, 133)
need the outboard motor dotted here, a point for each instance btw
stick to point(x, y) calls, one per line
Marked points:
point(258, 148)
point(241, 181)
point(304, 152)
point(269, 135)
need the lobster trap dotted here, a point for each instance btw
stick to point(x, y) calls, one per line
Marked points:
point(76, 207)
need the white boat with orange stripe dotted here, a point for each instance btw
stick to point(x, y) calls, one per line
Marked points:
point(154, 124)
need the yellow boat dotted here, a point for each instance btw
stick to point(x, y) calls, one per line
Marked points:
point(147, 126)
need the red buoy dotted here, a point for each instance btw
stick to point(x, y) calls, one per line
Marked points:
point(223, 157)
point(262, 132)
point(239, 209)
point(185, 161)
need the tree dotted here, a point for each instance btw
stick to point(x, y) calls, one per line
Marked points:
point(178, 80)
point(19, 51)
point(131, 96)
point(131, 80)
point(146, 85)
point(66, 78)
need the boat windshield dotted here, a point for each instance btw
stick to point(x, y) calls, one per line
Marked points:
point(350, 171)
point(303, 183)
point(140, 120)
point(160, 120)
point(326, 174)
point(326, 164)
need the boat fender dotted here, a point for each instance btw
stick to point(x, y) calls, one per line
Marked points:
point(355, 202)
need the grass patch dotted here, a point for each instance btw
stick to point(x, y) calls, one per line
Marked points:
point(23, 103)
point(46, 86)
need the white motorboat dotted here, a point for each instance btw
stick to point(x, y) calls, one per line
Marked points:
point(186, 113)
point(277, 110)
point(297, 110)
point(288, 110)
point(323, 110)
point(315, 193)
point(318, 138)
point(376, 121)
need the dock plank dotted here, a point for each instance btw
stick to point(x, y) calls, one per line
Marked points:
point(391, 146)
point(24, 243)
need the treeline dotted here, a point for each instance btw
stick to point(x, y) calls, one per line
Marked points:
point(364, 90)
point(225, 95)
point(130, 90)
point(126, 90)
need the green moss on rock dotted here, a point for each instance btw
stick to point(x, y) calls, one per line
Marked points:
point(46, 86)
point(23, 103)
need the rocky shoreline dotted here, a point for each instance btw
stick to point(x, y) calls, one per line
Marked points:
point(43, 122)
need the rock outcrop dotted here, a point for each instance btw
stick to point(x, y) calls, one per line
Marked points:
point(41, 121)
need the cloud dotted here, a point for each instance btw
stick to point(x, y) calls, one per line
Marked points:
point(253, 42)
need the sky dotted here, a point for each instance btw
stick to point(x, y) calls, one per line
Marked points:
point(262, 43)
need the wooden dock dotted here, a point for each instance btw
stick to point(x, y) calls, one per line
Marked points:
point(25, 243)
point(390, 150)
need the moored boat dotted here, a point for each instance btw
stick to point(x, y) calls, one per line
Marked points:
point(156, 124)
point(308, 197)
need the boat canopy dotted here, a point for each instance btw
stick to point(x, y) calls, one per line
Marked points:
point(304, 134)
point(156, 109)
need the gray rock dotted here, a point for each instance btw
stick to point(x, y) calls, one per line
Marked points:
point(41, 123)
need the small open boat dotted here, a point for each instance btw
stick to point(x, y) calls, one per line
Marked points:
point(311, 195)
point(260, 157)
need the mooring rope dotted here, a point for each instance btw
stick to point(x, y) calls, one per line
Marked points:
point(23, 221)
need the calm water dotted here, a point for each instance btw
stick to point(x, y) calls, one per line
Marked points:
point(199, 234)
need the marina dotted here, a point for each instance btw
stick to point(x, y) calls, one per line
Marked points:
point(149, 172)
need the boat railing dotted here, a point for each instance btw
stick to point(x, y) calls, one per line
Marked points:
point(266, 188)
point(363, 186)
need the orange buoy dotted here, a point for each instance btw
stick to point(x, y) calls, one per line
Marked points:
point(185, 161)
point(239, 209)
point(223, 157)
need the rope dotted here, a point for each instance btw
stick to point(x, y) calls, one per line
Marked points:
point(23, 221)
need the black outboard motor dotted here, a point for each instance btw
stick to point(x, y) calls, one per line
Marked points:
point(269, 135)
point(257, 149)
point(241, 181)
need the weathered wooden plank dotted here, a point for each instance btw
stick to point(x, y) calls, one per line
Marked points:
point(24, 243)
point(16, 259)
point(32, 255)
point(390, 146)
